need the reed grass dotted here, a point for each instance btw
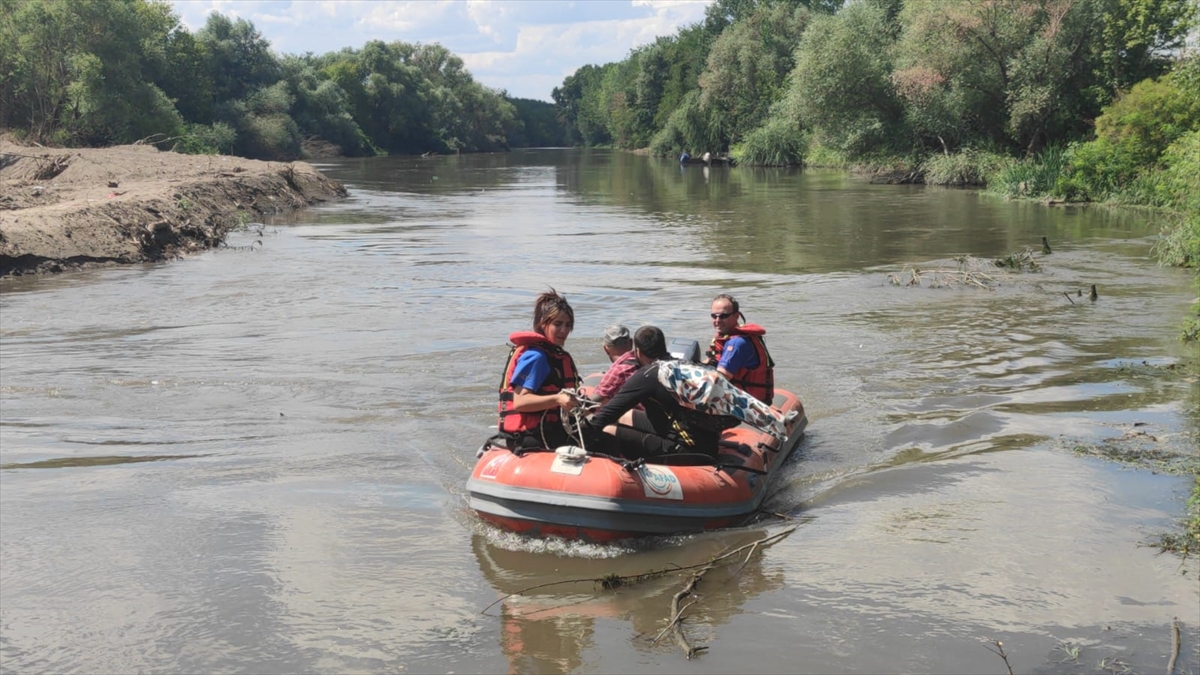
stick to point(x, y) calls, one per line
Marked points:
point(777, 143)
point(1035, 177)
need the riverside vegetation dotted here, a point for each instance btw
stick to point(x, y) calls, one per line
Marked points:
point(1059, 100)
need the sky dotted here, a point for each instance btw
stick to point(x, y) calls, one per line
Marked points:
point(526, 47)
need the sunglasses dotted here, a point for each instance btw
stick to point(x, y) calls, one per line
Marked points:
point(722, 316)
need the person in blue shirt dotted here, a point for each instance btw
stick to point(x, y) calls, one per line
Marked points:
point(738, 351)
point(540, 378)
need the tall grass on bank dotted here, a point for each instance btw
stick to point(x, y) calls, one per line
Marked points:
point(1035, 177)
point(824, 156)
point(777, 143)
point(969, 167)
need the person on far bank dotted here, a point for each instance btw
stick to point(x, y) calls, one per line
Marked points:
point(664, 426)
point(618, 345)
point(738, 351)
point(539, 370)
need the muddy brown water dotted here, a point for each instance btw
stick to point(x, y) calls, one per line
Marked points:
point(253, 460)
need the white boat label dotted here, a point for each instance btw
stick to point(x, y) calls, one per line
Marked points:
point(492, 468)
point(660, 482)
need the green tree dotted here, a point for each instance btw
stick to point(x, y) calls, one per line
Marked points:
point(748, 68)
point(841, 86)
point(181, 69)
point(77, 72)
point(321, 108)
point(649, 85)
point(395, 108)
point(539, 125)
point(1137, 37)
point(581, 105)
point(690, 128)
point(240, 59)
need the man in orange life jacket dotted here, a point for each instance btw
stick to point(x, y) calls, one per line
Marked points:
point(738, 351)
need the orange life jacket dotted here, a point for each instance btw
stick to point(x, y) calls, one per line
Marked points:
point(759, 382)
point(563, 375)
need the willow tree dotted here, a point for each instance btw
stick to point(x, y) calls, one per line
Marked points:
point(1023, 74)
point(748, 68)
point(842, 87)
point(83, 72)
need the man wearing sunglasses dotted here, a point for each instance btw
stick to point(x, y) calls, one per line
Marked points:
point(738, 351)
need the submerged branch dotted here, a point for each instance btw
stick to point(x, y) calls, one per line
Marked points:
point(1174, 645)
point(677, 621)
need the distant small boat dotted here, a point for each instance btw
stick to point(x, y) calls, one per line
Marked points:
point(713, 161)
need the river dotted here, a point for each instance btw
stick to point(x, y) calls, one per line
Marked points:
point(253, 460)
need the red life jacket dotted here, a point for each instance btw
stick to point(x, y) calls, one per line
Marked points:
point(563, 375)
point(759, 382)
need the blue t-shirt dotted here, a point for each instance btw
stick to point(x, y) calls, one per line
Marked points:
point(738, 354)
point(532, 369)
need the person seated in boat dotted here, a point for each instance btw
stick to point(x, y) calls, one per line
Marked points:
point(533, 393)
point(618, 345)
point(685, 157)
point(707, 157)
point(665, 426)
point(738, 351)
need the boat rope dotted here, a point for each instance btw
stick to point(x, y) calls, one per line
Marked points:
point(576, 418)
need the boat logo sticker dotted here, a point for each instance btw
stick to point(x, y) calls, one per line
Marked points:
point(660, 482)
point(492, 468)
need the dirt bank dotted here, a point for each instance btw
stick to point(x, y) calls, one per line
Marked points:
point(63, 209)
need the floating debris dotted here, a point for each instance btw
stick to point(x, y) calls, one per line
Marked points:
point(1021, 261)
point(968, 271)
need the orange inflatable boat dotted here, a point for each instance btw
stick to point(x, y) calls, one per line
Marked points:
point(575, 495)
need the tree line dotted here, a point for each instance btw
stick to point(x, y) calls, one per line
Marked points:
point(103, 72)
point(1074, 100)
point(877, 78)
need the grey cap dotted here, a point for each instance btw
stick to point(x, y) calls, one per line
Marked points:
point(616, 333)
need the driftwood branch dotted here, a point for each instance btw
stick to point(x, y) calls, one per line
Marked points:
point(1174, 645)
point(677, 623)
point(672, 622)
point(998, 649)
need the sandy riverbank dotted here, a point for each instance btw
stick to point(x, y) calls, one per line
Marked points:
point(63, 209)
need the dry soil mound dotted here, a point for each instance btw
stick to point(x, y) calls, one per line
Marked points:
point(66, 208)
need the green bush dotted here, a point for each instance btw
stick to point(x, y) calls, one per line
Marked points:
point(968, 167)
point(1180, 242)
point(1038, 176)
point(823, 155)
point(776, 143)
point(204, 139)
point(271, 137)
point(1131, 136)
point(1175, 182)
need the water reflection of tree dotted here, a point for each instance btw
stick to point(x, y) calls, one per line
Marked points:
point(779, 220)
point(549, 629)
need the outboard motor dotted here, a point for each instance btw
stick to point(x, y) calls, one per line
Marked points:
point(684, 349)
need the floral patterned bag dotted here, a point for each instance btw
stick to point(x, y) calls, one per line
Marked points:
point(707, 391)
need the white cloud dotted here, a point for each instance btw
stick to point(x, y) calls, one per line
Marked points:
point(526, 47)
